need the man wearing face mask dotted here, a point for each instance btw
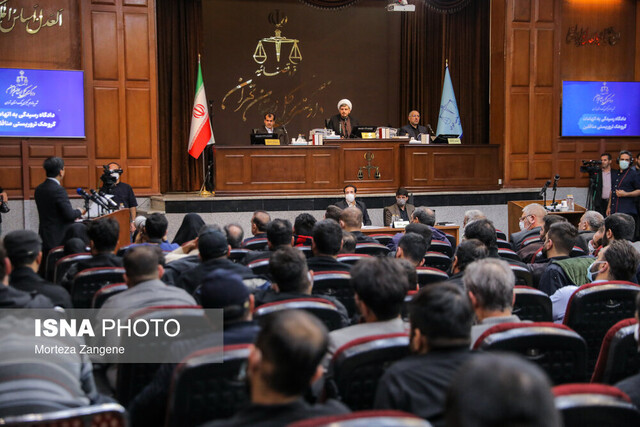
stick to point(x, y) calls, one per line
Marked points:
point(401, 209)
point(350, 201)
point(625, 187)
point(122, 192)
point(618, 261)
point(631, 385)
point(561, 270)
point(531, 222)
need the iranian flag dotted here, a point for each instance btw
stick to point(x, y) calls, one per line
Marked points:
point(201, 134)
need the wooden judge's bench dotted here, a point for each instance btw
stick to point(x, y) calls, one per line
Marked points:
point(373, 165)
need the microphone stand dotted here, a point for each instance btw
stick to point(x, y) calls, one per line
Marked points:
point(86, 208)
point(554, 203)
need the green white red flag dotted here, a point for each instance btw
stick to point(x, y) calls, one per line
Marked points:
point(201, 134)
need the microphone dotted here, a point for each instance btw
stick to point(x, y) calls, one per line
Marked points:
point(109, 200)
point(92, 197)
point(555, 182)
point(430, 129)
point(97, 195)
point(544, 188)
point(83, 193)
point(286, 134)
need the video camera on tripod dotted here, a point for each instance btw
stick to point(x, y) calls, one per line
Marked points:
point(590, 166)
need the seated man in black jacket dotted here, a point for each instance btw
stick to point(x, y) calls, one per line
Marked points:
point(103, 239)
point(351, 221)
point(327, 242)
point(279, 234)
point(24, 249)
point(214, 252)
point(11, 297)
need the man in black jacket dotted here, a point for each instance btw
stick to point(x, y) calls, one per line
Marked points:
point(11, 297)
point(327, 242)
point(54, 209)
point(350, 201)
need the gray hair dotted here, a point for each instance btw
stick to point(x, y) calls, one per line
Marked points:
point(424, 215)
point(536, 210)
point(594, 219)
point(472, 215)
point(491, 281)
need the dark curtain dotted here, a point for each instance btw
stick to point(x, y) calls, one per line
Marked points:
point(429, 39)
point(179, 41)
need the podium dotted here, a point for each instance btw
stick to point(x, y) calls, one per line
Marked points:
point(122, 218)
point(515, 212)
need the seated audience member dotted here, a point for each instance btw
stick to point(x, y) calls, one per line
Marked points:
point(590, 223)
point(530, 224)
point(427, 216)
point(413, 248)
point(138, 228)
point(191, 224)
point(284, 362)
point(279, 235)
point(143, 270)
point(327, 242)
point(11, 297)
point(214, 253)
point(472, 215)
point(618, 226)
point(534, 253)
point(631, 385)
point(411, 273)
point(489, 283)
point(155, 232)
point(351, 221)
point(333, 212)
point(561, 270)
point(235, 234)
point(495, 389)
point(103, 239)
point(351, 202)
point(259, 222)
point(400, 209)
point(291, 279)
point(380, 286)
point(348, 243)
point(74, 246)
point(414, 227)
point(24, 249)
point(76, 230)
point(303, 228)
point(220, 289)
point(467, 251)
point(616, 261)
point(484, 231)
point(440, 316)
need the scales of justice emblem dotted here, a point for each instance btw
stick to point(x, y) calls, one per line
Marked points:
point(278, 42)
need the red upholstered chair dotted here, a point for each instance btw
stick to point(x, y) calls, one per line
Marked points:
point(619, 357)
point(437, 260)
point(383, 239)
point(52, 257)
point(300, 240)
point(373, 249)
point(64, 263)
point(105, 292)
point(260, 267)
point(366, 418)
point(558, 350)
point(532, 304)
point(530, 240)
point(108, 414)
point(503, 244)
point(255, 244)
point(577, 251)
point(523, 275)
point(306, 250)
point(442, 247)
point(428, 275)
point(335, 284)
point(508, 254)
point(132, 377)
point(238, 254)
point(319, 307)
point(208, 385)
point(595, 307)
point(356, 367)
point(351, 259)
point(595, 405)
point(501, 235)
point(87, 282)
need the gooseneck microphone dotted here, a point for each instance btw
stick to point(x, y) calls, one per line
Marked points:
point(83, 193)
point(109, 200)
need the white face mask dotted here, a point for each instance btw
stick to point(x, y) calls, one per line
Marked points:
point(636, 333)
point(116, 175)
point(521, 224)
point(624, 164)
point(350, 197)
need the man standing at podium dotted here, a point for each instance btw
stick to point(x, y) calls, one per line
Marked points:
point(122, 192)
point(54, 209)
point(413, 129)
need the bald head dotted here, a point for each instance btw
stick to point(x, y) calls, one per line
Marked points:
point(533, 215)
point(351, 219)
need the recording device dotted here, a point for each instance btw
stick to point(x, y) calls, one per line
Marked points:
point(108, 180)
point(555, 188)
point(4, 207)
point(108, 199)
point(543, 191)
point(590, 166)
point(111, 205)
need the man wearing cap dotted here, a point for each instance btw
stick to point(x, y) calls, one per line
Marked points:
point(220, 289)
point(11, 297)
point(413, 129)
point(400, 209)
point(24, 249)
point(214, 251)
point(342, 123)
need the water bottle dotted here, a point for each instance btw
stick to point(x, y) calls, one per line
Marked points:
point(570, 204)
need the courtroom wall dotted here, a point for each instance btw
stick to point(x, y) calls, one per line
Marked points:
point(114, 43)
point(348, 53)
point(532, 54)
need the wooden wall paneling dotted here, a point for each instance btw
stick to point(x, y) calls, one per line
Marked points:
point(140, 176)
point(637, 55)
point(545, 54)
point(69, 150)
point(542, 169)
point(105, 45)
point(519, 123)
point(521, 10)
point(545, 11)
point(11, 176)
point(42, 151)
point(568, 168)
point(135, 3)
point(521, 54)
point(542, 122)
point(138, 109)
point(136, 46)
point(107, 122)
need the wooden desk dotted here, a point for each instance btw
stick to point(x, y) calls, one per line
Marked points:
point(374, 165)
point(453, 230)
point(515, 212)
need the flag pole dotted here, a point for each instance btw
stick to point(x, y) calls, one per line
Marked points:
point(203, 190)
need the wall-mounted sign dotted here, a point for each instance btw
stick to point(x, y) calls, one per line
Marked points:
point(31, 20)
point(583, 37)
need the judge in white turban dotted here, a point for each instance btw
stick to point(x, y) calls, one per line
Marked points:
point(343, 123)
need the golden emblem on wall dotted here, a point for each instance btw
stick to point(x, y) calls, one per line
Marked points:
point(277, 43)
point(369, 156)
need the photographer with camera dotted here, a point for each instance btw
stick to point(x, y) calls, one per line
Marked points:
point(121, 191)
point(4, 207)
